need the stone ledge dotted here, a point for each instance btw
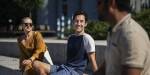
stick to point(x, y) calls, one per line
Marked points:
point(56, 48)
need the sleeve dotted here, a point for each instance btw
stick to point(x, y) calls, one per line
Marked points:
point(40, 46)
point(133, 49)
point(89, 43)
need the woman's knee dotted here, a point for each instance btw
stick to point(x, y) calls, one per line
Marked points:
point(36, 64)
point(43, 72)
point(39, 67)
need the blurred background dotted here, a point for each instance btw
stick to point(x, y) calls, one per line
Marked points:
point(53, 17)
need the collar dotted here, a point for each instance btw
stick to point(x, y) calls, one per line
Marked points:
point(120, 22)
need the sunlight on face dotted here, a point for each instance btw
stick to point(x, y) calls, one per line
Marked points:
point(79, 23)
point(27, 24)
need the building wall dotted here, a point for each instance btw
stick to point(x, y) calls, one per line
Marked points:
point(90, 6)
point(53, 10)
point(47, 14)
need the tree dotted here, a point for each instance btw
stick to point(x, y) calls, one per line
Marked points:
point(9, 11)
point(29, 5)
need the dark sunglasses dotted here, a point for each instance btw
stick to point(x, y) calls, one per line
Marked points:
point(28, 24)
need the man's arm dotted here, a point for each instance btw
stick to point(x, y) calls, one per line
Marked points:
point(131, 71)
point(92, 59)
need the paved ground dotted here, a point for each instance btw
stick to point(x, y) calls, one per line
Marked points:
point(9, 66)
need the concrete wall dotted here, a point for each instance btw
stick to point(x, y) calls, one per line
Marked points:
point(57, 51)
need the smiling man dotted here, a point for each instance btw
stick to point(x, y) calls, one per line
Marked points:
point(80, 49)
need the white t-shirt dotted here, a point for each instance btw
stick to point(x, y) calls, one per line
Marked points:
point(89, 43)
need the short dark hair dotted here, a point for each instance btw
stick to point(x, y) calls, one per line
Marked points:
point(123, 5)
point(81, 12)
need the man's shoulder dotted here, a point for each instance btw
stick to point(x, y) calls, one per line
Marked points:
point(131, 25)
point(131, 30)
point(87, 36)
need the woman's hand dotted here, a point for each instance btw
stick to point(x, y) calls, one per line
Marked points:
point(26, 62)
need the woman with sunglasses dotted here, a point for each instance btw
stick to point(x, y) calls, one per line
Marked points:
point(32, 47)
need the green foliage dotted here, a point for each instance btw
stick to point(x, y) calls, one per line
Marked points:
point(143, 18)
point(67, 32)
point(97, 29)
point(29, 4)
point(9, 10)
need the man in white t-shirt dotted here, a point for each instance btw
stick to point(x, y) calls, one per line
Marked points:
point(80, 49)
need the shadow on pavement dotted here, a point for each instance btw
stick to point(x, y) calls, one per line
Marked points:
point(8, 71)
